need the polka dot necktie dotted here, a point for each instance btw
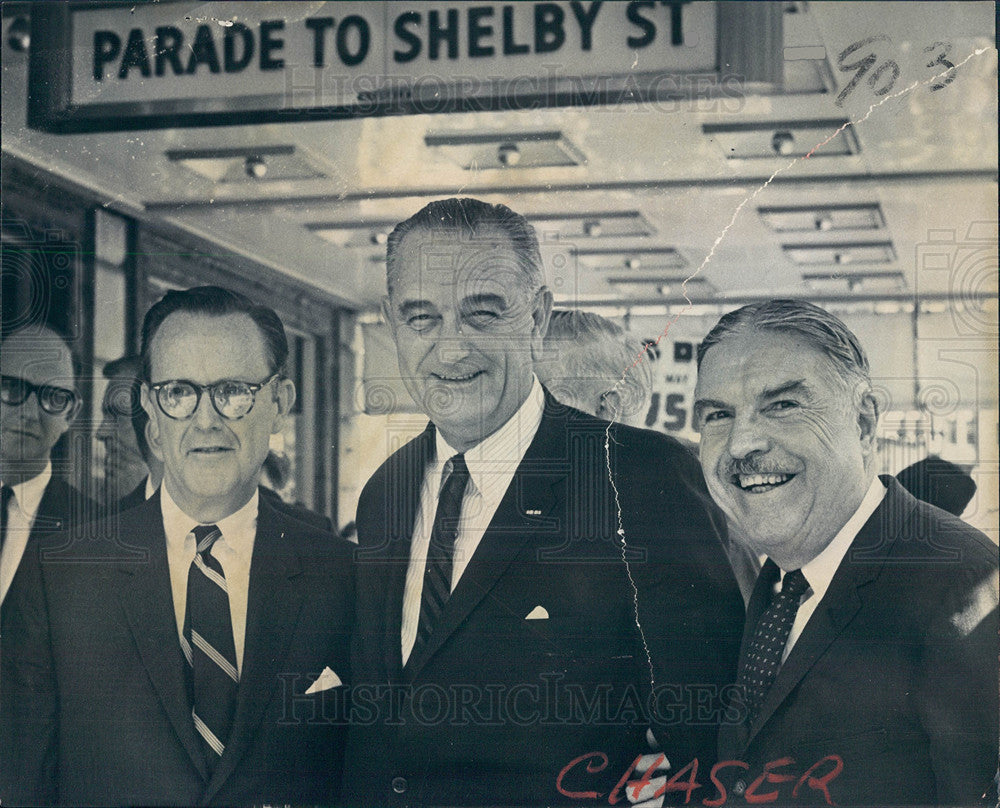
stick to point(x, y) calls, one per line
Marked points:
point(759, 667)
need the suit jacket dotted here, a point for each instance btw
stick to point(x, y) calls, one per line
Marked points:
point(95, 705)
point(495, 706)
point(132, 499)
point(61, 505)
point(895, 672)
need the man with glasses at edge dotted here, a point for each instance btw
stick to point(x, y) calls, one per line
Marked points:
point(200, 661)
point(38, 401)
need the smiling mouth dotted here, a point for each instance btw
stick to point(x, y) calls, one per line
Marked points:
point(759, 483)
point(458, 379)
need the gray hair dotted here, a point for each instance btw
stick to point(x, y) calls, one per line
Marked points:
point(594, 349)
point(470, 216)
point(800, 318)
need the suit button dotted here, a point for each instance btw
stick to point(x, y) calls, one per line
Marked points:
point(739, 787)
point(399, 785)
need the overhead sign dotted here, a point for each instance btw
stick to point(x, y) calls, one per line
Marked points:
point(141, 65)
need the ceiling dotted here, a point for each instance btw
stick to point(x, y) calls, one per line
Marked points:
point(629, 201)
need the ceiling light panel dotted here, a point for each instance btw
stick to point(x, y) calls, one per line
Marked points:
point(250, 164)
point(876, 252)
point(505, 150)
point(867, 283)
point(607, 224)
point(656, 286)
point(645, 258)
point(354, 234)
point(823, 218)
point(748, 141)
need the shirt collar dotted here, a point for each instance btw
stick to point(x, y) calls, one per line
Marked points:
point(150, 489)
point(238, 529)
point(493, 461)
point(28, 494)
point(820, 571)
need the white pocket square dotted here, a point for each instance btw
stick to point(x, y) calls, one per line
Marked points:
point(538, 613)
point(327, 681)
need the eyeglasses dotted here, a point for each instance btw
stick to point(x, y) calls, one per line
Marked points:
point(232, 399)
point(54, 400)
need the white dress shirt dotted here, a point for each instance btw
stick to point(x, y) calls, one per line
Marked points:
point(21, 513)
point(492, 464)
point(820, 571)
point(233, 551)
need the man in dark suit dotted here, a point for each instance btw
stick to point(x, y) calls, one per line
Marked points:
point(37, 405)
point(193, 654)
point(870, 670)
point(536, 587)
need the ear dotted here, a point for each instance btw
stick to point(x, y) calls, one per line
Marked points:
point(868, 422)
point(387, 314)
point(153, 424)
point(284, 395)
point(540, 317)
point(609, 406)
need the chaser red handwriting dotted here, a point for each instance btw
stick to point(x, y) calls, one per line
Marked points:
point(764, 789)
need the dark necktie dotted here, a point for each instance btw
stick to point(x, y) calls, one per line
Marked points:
point(441, 551)
point(6, 495)
point(209, 647)
point(759, 667)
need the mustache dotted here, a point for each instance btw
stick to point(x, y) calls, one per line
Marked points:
point(751, 465)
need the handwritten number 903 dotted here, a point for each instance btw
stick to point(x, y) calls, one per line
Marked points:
point(884, 76)
point(863, 65)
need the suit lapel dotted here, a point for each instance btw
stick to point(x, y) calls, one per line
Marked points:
point(839, 606)
point(401, 489)
point(147, 600)
point(533, 488)
point(273, 607)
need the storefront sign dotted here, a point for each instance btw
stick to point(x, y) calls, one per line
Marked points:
point(122, 66)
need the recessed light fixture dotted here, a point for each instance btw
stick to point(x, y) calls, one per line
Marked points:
point(783, 143)
point(508, 154)
point(255, 166)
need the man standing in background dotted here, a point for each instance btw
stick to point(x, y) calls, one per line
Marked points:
point(131, 471)
point(38, 401)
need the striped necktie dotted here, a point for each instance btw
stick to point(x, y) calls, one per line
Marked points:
point(441, 551)
point(209, 647)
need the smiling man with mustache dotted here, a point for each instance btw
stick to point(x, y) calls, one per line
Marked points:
point(871, 633)
point(193, 658)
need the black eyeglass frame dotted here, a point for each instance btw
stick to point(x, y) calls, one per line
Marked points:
point(254, 387)
point(42, 391)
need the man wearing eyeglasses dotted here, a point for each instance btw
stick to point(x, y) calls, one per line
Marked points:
point(38, 401)
point(202, 663)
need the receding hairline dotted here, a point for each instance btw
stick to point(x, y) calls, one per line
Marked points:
point(206, 315)
point(33, 332)
point(482, 234)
